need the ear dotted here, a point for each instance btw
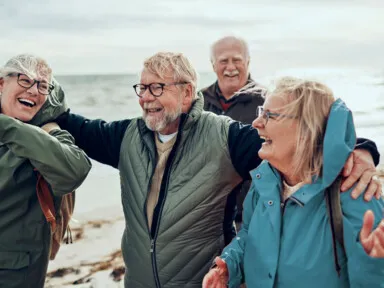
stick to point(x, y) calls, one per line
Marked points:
point(188, 95)
point(213, 66)
point(1, 84)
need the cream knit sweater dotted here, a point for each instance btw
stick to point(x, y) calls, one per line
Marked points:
point(163, 151)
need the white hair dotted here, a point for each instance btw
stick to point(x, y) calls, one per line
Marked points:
point(232, 39)
point(176, 65)
point(32, 66)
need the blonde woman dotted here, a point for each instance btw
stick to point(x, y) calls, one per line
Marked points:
point(286, 240)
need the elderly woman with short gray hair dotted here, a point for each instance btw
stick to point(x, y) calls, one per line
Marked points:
point(28, 99)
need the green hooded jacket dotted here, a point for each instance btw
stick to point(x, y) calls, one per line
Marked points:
point(24, 232)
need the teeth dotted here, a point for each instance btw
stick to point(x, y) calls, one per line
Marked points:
point(154, 110)
point(27, 102)
point(266, 139)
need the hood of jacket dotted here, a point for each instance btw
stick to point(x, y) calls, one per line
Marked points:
point(52, 108)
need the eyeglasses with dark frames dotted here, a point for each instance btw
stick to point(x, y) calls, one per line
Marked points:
point(260, 112)
point(156, 89)
point(24, 81)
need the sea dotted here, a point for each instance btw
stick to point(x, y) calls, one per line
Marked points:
point(111, 97)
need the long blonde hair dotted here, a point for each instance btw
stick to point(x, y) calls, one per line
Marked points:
point(310, 102)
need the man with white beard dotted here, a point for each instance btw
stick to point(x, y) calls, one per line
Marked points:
point(177, 165)
point(230, 61)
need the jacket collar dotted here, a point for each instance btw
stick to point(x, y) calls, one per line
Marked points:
point(213, 94)
point(267, 179)
point(52, 108)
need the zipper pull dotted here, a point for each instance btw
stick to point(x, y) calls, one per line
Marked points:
point(152, 245)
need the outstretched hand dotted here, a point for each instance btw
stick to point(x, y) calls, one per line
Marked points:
point(372, 241)
point(217, 277)
point(360, 167)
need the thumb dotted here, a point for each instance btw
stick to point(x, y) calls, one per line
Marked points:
point(208, 280)
point(348, 166)
point(366, 238)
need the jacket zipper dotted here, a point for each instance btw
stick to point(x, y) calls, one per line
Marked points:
point(152, 241)
point(159, 209)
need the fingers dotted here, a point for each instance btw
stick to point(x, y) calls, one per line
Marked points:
point(50, 126)
point(211, 279)
point(366, 236)
point(207, 280)
point(348, 166)
point(379, 241)
point(220, 263)
point(370, 192)
point(352, 178)
point(362, 161)
point(379, 190)
point(365, 178)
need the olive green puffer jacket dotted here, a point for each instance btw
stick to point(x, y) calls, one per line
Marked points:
point(24, 232)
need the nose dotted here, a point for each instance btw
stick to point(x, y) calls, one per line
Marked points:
point(258, 123)
point(147, 96)
point(231, 66)
point(33, 90)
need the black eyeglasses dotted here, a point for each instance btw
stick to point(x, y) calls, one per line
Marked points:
point(156, 89)
point(267, 114)
point(24, 81)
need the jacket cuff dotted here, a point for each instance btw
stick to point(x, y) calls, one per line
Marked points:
point(234, 273)
point(371, 147)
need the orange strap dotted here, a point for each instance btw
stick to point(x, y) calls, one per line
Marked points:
point(46, 201)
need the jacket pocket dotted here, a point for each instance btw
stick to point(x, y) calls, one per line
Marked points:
point(13, 260)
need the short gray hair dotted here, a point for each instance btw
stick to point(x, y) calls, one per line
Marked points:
point(239, 40)
point(28, 64)
point(174, 65)
point(32, 66)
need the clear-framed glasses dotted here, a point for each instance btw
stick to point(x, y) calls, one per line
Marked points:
point(156, 89)
point(24, 81)
point(260, 112)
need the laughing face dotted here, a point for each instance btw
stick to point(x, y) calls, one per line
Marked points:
point(19, 102)
point(161, 114)
point(231, 67)
point(279, 135)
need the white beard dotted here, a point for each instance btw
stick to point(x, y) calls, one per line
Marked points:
point(159, 123)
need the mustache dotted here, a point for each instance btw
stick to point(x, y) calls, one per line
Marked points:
point(231, 73)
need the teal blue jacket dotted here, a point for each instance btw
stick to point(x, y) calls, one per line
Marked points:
point(290, 244)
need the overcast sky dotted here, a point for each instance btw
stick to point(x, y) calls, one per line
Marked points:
point(90, 36)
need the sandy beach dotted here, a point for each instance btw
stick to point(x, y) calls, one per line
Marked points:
point(94, 258)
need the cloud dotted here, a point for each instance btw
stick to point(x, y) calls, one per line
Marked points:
point(99, 35)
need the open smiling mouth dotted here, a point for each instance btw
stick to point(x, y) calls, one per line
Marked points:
point(26, 102)
point(154, 110)
point(266, 139)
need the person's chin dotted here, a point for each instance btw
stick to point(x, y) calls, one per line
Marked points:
point(24, 117)
point(263, 154)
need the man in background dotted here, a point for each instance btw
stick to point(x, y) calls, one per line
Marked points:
point(230, 61)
